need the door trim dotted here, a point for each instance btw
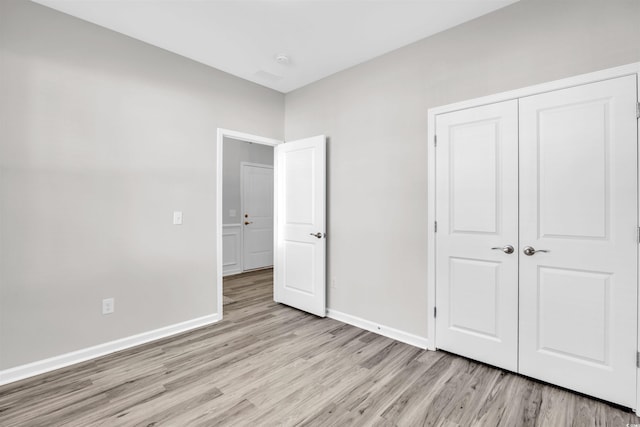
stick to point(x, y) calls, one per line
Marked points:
point(242, 165)
point(432, 113)
point(637, 408)
point(240, 136)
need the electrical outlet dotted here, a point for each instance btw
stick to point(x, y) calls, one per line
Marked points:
point(108, 305)
point(177, 218)
point(333, 283)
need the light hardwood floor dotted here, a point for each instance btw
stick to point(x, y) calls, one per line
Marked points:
point(266, 364)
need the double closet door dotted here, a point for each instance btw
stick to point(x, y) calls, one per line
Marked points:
point(536, 243)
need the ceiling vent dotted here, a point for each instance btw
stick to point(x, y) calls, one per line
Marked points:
point(268, 77)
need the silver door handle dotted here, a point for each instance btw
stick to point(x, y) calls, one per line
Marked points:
point(528, 250)
point(318, 235)
point(506, 249)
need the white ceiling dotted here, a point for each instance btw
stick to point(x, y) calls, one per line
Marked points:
point(243, 37)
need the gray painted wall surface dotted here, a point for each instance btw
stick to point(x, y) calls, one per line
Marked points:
point(375, 116)
point(101, 138)
point(235, 152)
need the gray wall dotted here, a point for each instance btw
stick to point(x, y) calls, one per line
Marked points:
point(235, 152)
point(375, 115)
point(101, 138)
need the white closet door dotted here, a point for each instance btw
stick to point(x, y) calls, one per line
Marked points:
point(578, 201)
point(477, 213)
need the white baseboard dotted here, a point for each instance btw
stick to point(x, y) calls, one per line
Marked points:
point(231, 272)
point(63, 360)
point(386, 331)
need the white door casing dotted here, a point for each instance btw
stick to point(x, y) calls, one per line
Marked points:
point(578, 200)
point(300, 239)
point(257, 215)
point(477, 210)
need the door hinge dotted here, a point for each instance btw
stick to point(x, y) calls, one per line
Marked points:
point(435, 226)
point(638, 359)
point(435, 140)
point(637, 110)
point(435, 311)
point(638, 234)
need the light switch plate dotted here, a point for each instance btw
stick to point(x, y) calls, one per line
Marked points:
point(177, 218)
point(108, 305)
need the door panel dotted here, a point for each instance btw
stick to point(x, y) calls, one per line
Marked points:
point(473, 167)
point(582, 336)
point(578, 200)
point(257, 203)
point(476, 210)
point(474, 281)
point(573, 140)
point(299, 274)
point(300, 164)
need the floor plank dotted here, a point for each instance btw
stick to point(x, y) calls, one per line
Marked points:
point(267, 364)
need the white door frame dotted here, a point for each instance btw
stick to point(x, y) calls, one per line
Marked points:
point(242, 165)
point(245, 137)
point(610, 73)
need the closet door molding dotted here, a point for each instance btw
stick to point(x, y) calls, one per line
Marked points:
point(607, 74)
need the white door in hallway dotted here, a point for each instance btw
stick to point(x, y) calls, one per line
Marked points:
point(477, 233)
point(300, 249)
point(578, 210)
point(257, 216)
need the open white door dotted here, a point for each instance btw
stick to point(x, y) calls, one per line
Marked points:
point(300, 239)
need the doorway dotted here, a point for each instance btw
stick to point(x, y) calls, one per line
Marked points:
point(235, 150)
point(247, 206)
point(299, 249)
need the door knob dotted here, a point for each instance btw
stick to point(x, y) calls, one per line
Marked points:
point(506, 249)
point(248, 222)
point(528, 250)
point(318, 235)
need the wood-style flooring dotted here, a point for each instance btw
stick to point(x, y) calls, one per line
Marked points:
point(266, 364)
